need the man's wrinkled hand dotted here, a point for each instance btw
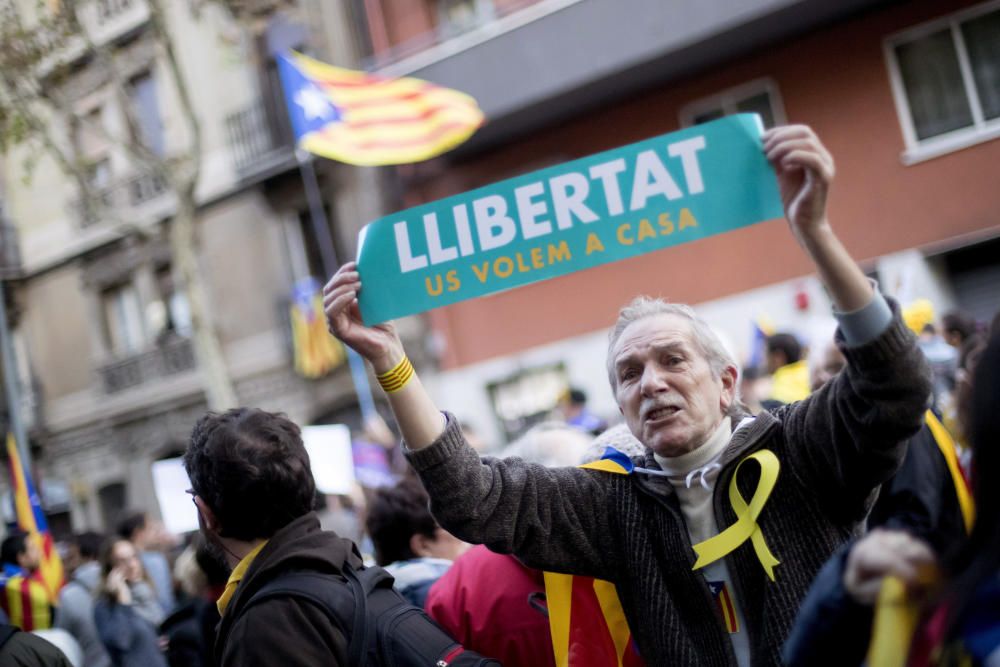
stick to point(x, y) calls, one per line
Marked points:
point(378, 344)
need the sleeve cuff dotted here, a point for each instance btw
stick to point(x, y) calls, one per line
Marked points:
point(442, 449)
point(866, 323)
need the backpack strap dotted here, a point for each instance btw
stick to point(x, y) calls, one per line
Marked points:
point(344, 604)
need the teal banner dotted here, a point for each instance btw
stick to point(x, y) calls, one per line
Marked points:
point(662, 192)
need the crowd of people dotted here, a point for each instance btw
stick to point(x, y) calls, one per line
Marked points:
point(824, 516)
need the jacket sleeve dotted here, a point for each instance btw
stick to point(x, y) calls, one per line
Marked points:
point(850, 435)
point(829, 622)
point(287, 632)
point(551, 518)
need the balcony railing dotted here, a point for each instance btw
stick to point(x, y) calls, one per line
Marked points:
point(167, 358)
point(117, 199)
point(256, 145)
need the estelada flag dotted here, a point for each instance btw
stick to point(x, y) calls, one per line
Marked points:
point(365, 119)
point(316, 351)
point(31, 520)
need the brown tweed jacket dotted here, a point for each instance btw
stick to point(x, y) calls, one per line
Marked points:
point(835, 448)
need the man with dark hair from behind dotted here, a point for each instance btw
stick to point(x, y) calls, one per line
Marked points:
point(137, 529)
point(254, 491)
point(21, 558)
point(409, 543)
point(76, 600)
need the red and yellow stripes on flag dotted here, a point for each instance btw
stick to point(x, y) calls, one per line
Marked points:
point(26, 601)
point(387, 121)
point(587, 623)
point(31, 520)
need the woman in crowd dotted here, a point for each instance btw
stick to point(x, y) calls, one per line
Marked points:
point(127, 612)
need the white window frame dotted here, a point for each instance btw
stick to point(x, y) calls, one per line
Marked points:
point(981, 130)
point(728, 99)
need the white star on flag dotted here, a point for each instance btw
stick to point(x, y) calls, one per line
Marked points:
point(314, 104)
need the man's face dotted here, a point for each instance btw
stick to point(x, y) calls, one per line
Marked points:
point(665, 387)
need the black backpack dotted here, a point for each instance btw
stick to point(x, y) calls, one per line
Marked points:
point(382, 627)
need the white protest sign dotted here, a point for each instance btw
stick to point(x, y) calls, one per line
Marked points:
point(331, 457)
point(170, 481)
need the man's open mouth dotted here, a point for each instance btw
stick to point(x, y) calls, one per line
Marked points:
point(662, 413)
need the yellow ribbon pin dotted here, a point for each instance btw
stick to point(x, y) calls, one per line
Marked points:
point(746, 526)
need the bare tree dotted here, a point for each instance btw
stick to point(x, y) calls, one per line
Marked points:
point(45, 46)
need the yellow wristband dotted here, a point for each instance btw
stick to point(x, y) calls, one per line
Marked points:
point(397, 377)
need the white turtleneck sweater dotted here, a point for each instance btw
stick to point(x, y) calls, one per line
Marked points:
point(693, 477)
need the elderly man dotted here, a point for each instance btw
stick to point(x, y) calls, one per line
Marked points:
point(713, 538)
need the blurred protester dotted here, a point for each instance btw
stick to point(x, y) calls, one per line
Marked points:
point(551, 444)
point(788, 368)
point(956, 604)
point(821, 458)
point(127, 613)
point(76, 599)
point(942, 357)
point(147, 537)
point(24, 649)
point(409, 543)
point(957, 328)
point(926, 495)
point(620, 438)
point(25, 599)
point(190, 630)
point(573, 410)
point(344, 514)
point(755, 386)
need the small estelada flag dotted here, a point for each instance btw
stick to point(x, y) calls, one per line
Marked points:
point(726, 607)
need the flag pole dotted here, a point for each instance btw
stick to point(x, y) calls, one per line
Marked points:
point(10, 384)
point(328, 256)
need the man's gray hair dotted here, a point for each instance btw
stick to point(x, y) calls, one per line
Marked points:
point(711, 346)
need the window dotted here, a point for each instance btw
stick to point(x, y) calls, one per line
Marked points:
point(458, 16)
point(946, 81)
point(143, 98)
point(758, 96)
point(123, 325)
point(173, 314)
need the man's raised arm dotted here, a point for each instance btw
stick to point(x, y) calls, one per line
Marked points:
point(551, 518)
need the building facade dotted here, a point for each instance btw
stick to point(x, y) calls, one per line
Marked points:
point(905, 94)
point(104, 334)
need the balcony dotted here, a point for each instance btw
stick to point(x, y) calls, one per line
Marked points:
point(124, 199)
point(257, 146)
point(168, 358)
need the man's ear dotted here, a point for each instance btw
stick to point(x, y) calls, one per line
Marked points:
point(207, 515)
point(420, 545)
point(728, 377)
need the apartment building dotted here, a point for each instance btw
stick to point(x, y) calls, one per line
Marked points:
point(905, 94)
point(108, 366)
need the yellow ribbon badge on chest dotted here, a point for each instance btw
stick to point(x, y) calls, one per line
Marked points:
point(746, 526)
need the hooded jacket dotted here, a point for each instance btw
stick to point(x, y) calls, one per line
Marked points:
point(289, 632)
point(834, 449)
